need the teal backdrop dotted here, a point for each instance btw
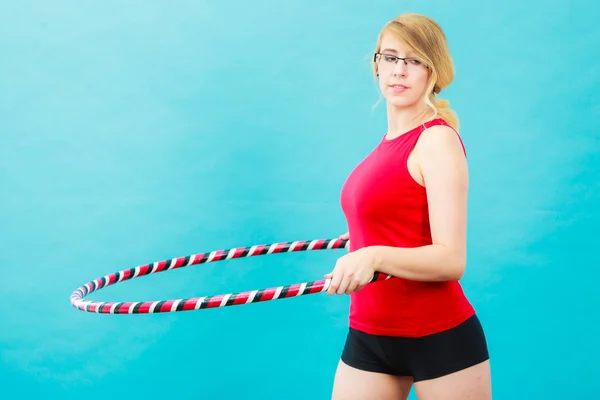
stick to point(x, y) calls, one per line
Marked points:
point(138, 131)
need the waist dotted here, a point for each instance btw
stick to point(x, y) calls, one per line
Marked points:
point(400, 307)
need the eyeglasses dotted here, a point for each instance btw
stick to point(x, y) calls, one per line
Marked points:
point(389, 61)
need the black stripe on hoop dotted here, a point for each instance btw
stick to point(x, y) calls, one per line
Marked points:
point(181, 304)
point(205, 302)
point(258, 295)
point(136, 308)
point(284, 292)
point(231, 299)
point(305, 245)
point(307, 288)
point(159, 306)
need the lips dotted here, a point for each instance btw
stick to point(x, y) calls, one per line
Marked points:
point(398, 88)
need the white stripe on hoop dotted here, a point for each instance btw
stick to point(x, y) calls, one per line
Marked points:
point(136, 272)
point(311, 245)
point(131, 307)
point(272, 248)
point(98, 306)
point(153, 306)
point(252, 250)
point(191, 260)
point(224, 301)
point(293, 245)
point(154, 266)
point(172, 263)
point(277, 292)
point(211, 256)
point(301, 290)
point(112, 308)
point(175, 304)
point(230, 254)
point(251, 297)
point(120, 276)
point(199, 302)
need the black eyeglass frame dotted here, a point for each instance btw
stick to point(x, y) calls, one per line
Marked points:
point(404, 59)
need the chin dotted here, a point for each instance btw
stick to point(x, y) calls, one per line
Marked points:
point(397, 101)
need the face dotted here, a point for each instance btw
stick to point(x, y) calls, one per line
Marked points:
point(402, 82)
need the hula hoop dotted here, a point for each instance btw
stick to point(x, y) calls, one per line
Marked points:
point(221, 300)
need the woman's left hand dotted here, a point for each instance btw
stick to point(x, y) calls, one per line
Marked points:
point(352, 272)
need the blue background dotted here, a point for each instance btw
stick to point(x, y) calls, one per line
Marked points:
point(138, 131)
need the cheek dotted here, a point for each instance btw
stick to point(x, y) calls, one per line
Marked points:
point(420, 79)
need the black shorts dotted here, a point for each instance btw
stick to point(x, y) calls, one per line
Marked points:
point(422, 358)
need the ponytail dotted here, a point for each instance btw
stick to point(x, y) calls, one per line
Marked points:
point(442, 108)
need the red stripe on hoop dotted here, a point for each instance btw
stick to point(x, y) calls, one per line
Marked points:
point(215, 301)
point(279, 248)
point(194, 259)
point(320, 244)
point(106, 307)
point(112, 278)
point(123, 308)
point(238, 252)
point(268, 294)
point(161, 265)
point(179, 261)
point(127, 274)
point(258, 250)
point(145, 307)
point(166, 307)
point(293, 290)
point(144, 269)
point(241, 298)
point(316, 287)
point(219, 255)
point(190, 304)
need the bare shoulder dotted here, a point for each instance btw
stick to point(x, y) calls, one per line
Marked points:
point(440, 140)
point(441, 157)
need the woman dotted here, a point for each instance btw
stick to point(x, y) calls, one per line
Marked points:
point(406, 208)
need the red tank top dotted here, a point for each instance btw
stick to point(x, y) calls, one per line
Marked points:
point(385, 206)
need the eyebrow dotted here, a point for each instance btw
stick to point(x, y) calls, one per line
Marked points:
point(389, 51)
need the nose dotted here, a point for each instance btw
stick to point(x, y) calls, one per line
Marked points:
point(401, 68)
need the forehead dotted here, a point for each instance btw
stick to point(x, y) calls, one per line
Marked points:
point(392, 44)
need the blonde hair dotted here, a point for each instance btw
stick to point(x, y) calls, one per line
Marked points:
point(427, 41)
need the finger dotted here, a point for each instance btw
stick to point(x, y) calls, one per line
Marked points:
point(343, 285)
point(359, 287)
point(334, 284)
point(351, 286)
point(345, 235)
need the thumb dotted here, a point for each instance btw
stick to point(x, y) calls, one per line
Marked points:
point(345, 235)
point(329, 275)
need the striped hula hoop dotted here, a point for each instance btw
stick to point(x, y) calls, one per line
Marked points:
point(221, 300)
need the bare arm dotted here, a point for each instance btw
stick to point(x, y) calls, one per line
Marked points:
point(444, 169)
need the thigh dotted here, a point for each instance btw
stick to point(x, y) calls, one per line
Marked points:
point(355, 384)
point(472, 383)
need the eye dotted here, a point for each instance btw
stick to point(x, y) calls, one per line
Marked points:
point(391, 59)
point(413, 61)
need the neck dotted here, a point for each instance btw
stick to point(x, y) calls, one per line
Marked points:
point(403, 119)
